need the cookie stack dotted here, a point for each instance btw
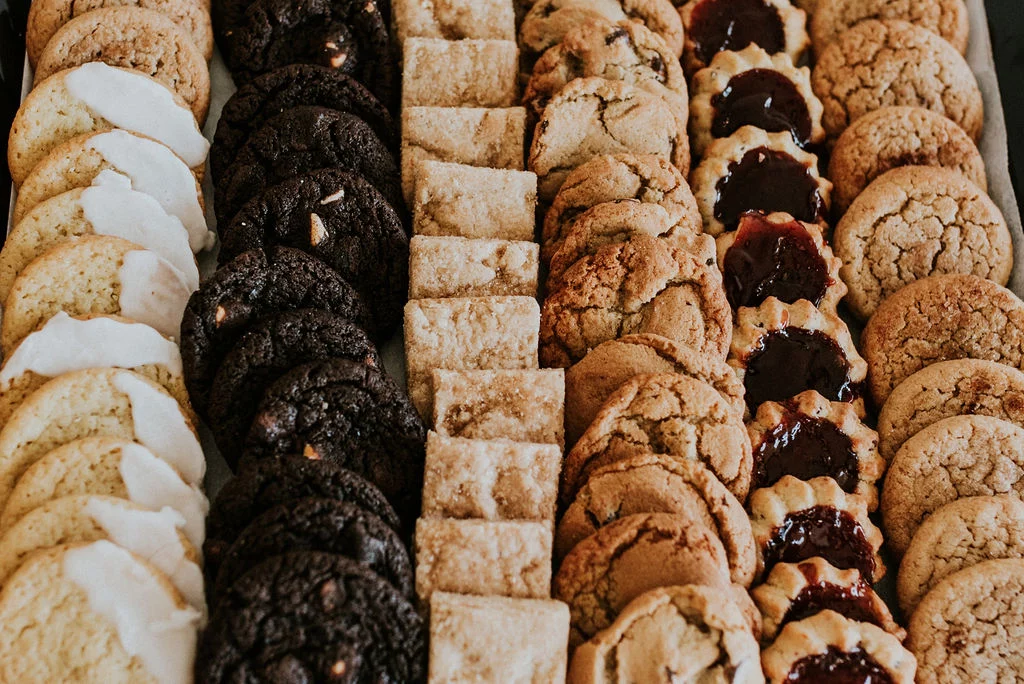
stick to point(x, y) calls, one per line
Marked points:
point(100, 464)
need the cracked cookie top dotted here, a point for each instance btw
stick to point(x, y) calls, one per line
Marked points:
point(956, 457)
point(940, 318)
point(891, 62)
point(947, 18)
point(917, 221)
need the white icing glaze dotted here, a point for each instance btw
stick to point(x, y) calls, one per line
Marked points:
point(135, 102)
point(65, 345)
point(153, 291)
point(153, 483)
point(154, 537)
point(148, 621)
point(161, 174)
point(113, 208)
point(161, 427)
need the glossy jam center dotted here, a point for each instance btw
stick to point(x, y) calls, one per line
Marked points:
point(762, 98)
point(821, 531)
point(839, 667)
point(853, 602)
point(717, 25)
point(767, 180)
point(805, 447)
point(773, 260)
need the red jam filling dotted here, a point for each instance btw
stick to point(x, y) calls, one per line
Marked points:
point(805, 447)
point(717, 25)
point(763, 98)
point(839, 667)
point(768, 180)
point(821, 531)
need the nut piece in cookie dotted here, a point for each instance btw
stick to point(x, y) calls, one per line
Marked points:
point(752, 170)
point(795, 591)
point(460, 73)
point(946, 18)
point(463, 267)
point(828, 647)
point(794, 520)
point(753, 88)
point(780, 350)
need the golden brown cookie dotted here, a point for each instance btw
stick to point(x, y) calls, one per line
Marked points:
point(891, 62)
point(917, 221)
point(954, 458)
point(946, 18)
point(940, 318)
point(669, 414)
point(891, 137)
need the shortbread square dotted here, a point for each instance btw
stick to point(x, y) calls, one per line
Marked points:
point(468, 201)
point(460, 73)
point(477, 136)
point(483, 557)
point(454, 19)
point(477, 639)
point(490, 480)
point(467, 333)
point(517, 405)
point(460, 267)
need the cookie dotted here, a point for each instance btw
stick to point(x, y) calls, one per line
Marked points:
point(753, 170)
point(946, 18)
point(143, 40)
point(607, 570)
point(323, 525)
point(713, 26)
point(592, 116)
point(828, 646)
point(300, 140)
point(447, 266)
point(609, 177)
point(270, 348)
point(669, 414)
point(97, 97)
point(657, 637)
point(795, 520)
point(350, 413)
point(960, 316)
point(454, 20)
point(313, 616)
point(459, 73)
point(253, 285)
point(340, 219)
point(653, 483)
point(891, 137)
point(891, 62)
point(914, 222)
point(961, 630)
point(590, 381)
point(641, 286)
point(954, 458)
point(94, 611)
point(796, 591)
point(752, 88)
point(945, 389)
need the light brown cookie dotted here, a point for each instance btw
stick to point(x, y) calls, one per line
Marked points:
point(668, 414)
point(590, 381)
point(641, 286)
point(891, 62)
point(946, 18)
point(135, 38)
point(654, 483)
point(609, 177)
point(794, 520)
point(954, 458)
point(917, 221)
point(945, 389)
point(824, 646)
point(656, 639)
point(795, 591)
point(593, 116)
point(610, 568)
point(941, 318)
point(891, 137)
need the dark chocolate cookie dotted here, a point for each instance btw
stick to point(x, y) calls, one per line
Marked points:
point(342, 220)
point(300, 140)
point(312, 617)
point(319, 525)
point(255, 284)
point(347, 413)
point(296, 85)
point(269, 349)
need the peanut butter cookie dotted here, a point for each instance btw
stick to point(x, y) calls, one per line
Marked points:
point(946, 18)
